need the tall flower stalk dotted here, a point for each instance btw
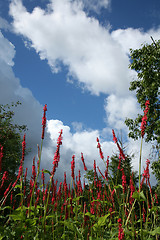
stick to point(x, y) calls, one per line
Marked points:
point(39, 155)
point(143, 127)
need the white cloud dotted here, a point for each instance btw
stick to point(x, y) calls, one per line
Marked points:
point(11, 91)
point(119, 108)
point(95, 5)
point(65, 33)
point(97, 58)
point(75, 143)
point(4, 24)
point(30, 113)
point(134, 38)
point(7, 50)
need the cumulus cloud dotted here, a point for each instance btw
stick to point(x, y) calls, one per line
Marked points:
point(119, 108)
point(30, 113)
point(96, 6)
point(4, 24)
point(11, 91)
point(134, 38)
point(92, 56)
point(95, 57)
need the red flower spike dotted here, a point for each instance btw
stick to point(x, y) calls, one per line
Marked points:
point(44, 120)
point(4, 178)
point(72, 166)
point(82, 158)
point(144, 119)
point(33, 169)
point(7, 190)
point(123, 180)
point(146, 174)
point(114, 136)
point(106, 171)
point(23, 147)
point(101, 173)
point(156, 198)
point(100, 150)
point(132, 189)
point(1, 156)
point(57, 154)
point(120, 230)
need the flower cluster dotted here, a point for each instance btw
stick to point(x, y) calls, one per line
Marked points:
point(44, 120)
point(123, 180)
point(1, 156)
point(132, 188)
point(72, 166)
point(146, 174)
point(144, 119)
point(120, 149)
point(100, 150)
point(23, 147)
point(82, 158)
point(57, 154)
point(120, 230)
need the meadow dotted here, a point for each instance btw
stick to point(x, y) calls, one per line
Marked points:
point(99, 209)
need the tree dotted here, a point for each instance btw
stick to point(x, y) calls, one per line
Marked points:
point(10, 139)
point(116, 166)
point(146, 62)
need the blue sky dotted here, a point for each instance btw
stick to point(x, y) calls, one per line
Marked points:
point(73, 56)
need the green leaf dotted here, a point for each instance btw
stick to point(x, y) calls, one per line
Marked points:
point(17, 186)
point(101, 221)
point(118, 186)
point(47, 171)
point(140, 197)
point(156, 231)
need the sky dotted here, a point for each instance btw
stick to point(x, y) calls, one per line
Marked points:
point(74, 56)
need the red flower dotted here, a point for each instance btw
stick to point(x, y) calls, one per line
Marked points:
point(156, 197)
point(123, 180)
point(120, 149)
point(33, 169)
point(144, 119)
point(1, 156)
point(101, 173)
point(23, 147)
point(114, 136)
point(57, 153)
point(7, 190)
point(106, 171)
point(4, 178)
point(72, 166)
point(100, 150)
point(82, 158)
point(146, 174)
point(120, 230)
point(44, 120)
point(132, 189)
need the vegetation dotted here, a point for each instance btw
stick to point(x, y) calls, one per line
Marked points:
point(102, 210)
point(146, 62)
point(10, 139)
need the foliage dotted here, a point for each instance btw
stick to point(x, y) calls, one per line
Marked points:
point(126, 165)
point(146, 62)
point(10, 139)
point(108, 211)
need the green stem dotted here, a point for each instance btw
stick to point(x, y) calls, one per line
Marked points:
point(46, 205)
point(141, 221)
point(140, 159)
point(38, 171)
point(130, 212)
